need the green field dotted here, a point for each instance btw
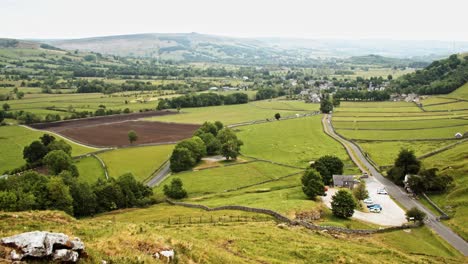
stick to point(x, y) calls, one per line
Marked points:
point(463, 105)
point(228, 114)
point(14, 138)
point(216, 180)
point(398, 125)
point(90, 169)
point(294, 142)
point(433, 133)
point(286, 105)
point(141, 161)
point(385, 153)
point(455, 163)
point(460, 93)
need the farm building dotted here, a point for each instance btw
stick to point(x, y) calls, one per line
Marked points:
point(346, 181)
point(458, 135)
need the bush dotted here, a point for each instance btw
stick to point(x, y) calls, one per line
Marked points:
point(181, 159)
point(175, 190)
point(360, 192)
point(343, 204)
point(414, 214)
point(312, 184)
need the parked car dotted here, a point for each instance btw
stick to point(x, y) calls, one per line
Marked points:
point(375, 210)
point(373, 206)
point(364, 175)
point(368, 201)
point(382, 191)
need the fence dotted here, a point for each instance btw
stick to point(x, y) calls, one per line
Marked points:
point(216, 219)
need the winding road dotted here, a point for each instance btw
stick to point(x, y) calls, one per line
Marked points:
point(396, 192)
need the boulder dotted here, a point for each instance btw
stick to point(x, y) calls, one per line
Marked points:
point(40, 244)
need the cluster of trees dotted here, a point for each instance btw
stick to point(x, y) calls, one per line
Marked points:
point(209, 139)
point(202, 100)
point(34, 191)
point(356, 95)
point(321, 174)
point(268, 93)
point(419, 179)
point(440, 77)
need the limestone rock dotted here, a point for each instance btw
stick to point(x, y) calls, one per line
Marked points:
point(40, 244)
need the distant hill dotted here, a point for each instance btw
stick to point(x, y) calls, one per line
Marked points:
point(206, 48)
point(440, 77)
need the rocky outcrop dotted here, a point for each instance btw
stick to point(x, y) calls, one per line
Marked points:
point(43, 245)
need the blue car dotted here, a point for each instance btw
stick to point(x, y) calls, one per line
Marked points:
point(375, 206)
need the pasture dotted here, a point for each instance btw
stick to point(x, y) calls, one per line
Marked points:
point(294, 142)
point(398, 125)
point(216, 180)
point(460, 93)
point(140, 161)
point(14, 138)
point(90, 169)
point(228, 114)
point(427, 133)
point(453, 162)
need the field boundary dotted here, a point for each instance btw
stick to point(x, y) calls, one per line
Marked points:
point(285, 219)
point(255, 122)
point(437, 151)
point(267, 181)
point(433, 204)
point(397, 129)
point(103, 165)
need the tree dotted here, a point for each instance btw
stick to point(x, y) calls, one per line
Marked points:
point(6, 107)
point(46, 139)
point(336, 102)
point(277, 116)
point(181, 159)
point(343, 204)
point(2, 116)
point(312, 184)
point(326, 106)
point(132, 136)
point(360, 192)
point(219, 125)
point(59, 196)
point(415, 214)
point(328, 166)
point(207, 127)
point(405, 163)
point(84, 199)
point(34, 152)
point(195, 145)
point(213, 146)
point(230, 144)
point(175, 190)
point(58, 161)
point(60, 145)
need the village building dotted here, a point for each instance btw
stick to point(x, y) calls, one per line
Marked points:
point(344, 181)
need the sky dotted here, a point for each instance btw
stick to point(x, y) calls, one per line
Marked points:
point(342, 19)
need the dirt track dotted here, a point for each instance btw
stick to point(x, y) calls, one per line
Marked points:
point(112, 131)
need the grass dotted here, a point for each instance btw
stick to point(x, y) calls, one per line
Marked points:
point(400, 125)
point(198, 183)
point(90, 169)
point(294, 142)
point(228, 114)
point(132, 236)
point(448, 107)
point(385, 153)
point(434, 133)
point(453, 162)
point(13, 139)
point(292, 105)
point(140, 161)
point(460, 93)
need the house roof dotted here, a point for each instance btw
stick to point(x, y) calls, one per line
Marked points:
point(339, 179)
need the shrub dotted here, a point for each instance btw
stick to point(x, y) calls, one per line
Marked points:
point(175, 190)
point(343, 204)
point(312, 184)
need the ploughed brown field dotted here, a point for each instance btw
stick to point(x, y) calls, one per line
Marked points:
point(112, 131)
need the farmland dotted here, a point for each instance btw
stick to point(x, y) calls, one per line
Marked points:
point(229, 114)
point(90, 169)
point(140, 161)
point(14, 138)
point(294, 142)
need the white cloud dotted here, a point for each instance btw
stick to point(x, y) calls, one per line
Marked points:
point(391, 19)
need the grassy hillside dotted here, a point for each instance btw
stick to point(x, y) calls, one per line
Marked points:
point(14, 138)
point(132, 236)
point(460, 93)
point(454, 162)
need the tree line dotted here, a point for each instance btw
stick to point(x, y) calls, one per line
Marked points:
point(440, 77)
point(62, 189)
point(202, 100)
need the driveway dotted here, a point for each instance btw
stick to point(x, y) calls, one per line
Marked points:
point(391, 215)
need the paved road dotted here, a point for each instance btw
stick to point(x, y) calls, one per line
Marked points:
point(160, 175)
point(396, 192)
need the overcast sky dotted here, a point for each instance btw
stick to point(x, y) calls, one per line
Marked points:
point(347, 19)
